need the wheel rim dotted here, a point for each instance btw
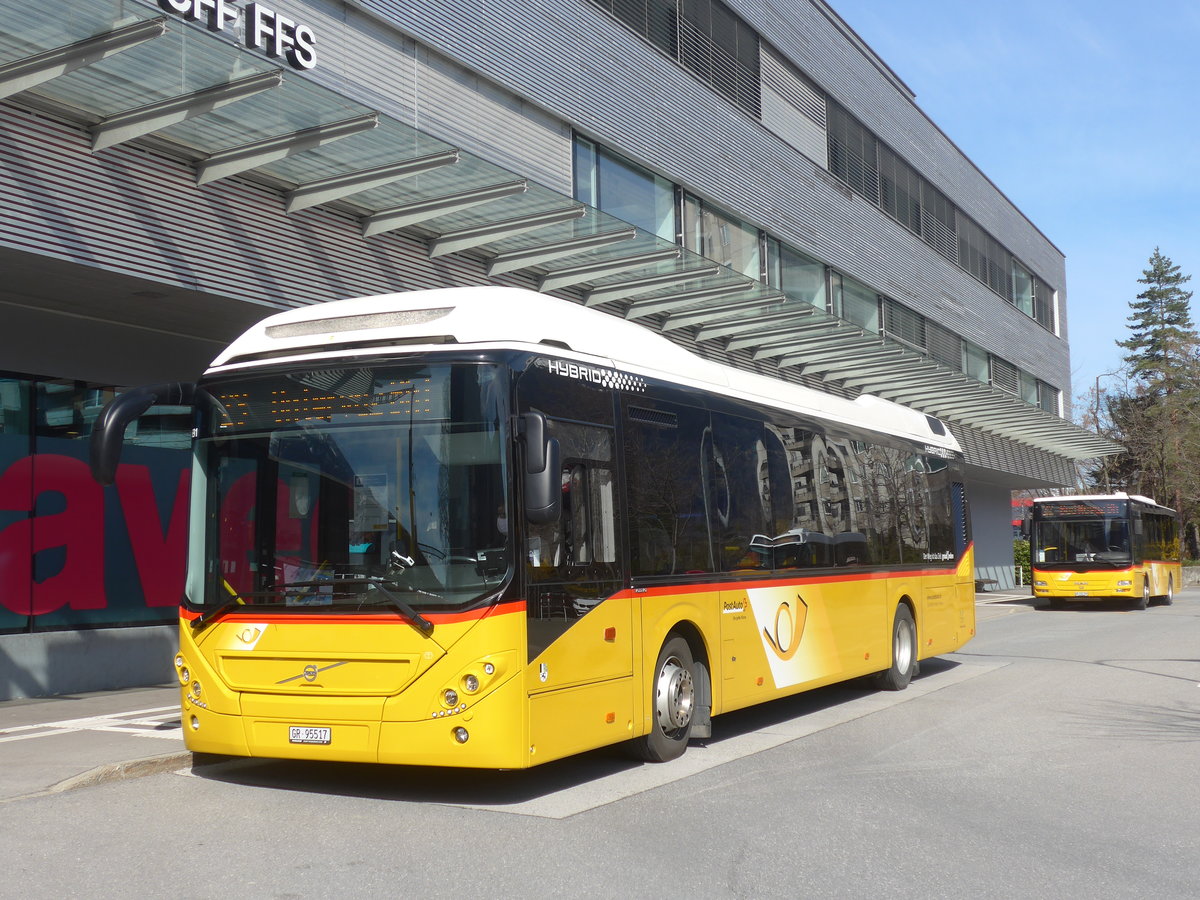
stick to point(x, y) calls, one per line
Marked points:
point(675, 695)
point(1146, 592)
point(1170, 590)
point(902, 647)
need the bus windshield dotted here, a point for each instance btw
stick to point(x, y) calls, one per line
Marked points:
point(1067, 535)
point(359, 486)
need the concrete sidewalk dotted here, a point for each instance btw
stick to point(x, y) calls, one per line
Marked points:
point(60, 743)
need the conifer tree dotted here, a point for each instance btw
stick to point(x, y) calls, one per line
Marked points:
point(1162, 346)
point(1157, 418)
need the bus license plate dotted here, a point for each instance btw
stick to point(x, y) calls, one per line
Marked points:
point(306, 734)
point(1082, 594)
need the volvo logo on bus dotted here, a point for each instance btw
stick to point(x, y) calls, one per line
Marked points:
point(310, 672)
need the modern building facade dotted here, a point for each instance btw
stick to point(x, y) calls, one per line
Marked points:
point(750, 180)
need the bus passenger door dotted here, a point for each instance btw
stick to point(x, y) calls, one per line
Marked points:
point(579, 621)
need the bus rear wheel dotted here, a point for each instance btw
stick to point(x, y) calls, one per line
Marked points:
point(672, 701)
point(1169, 597)
point(904, 652)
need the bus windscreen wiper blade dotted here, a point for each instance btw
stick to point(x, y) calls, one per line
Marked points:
point(228, 606)
point(419, 622)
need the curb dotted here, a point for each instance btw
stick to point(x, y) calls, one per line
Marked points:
point(123, 771)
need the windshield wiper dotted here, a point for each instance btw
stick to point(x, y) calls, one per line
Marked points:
point(418, 621)
point(228, 606)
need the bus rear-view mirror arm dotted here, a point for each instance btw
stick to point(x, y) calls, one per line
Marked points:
point(543, 470)
point(108, 434)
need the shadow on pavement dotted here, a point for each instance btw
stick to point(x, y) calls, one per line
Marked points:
point(487, 787)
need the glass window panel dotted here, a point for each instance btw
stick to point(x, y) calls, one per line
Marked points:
point(1005, 375)
point(634, 195)
point(16, 419)
point(1048, 398)
point(720, 237)
point(1029, 388)
point(938, 226)
point(587, 187)
point(801, 278)
point(1044, 304)
point(1022, 288)
point(857, 303)
point(852, 152)
point(975, 362)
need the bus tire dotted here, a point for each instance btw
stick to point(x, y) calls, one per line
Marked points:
point(672, 701)
point(1169, 597)
point(904, 652)
point(1143, 601)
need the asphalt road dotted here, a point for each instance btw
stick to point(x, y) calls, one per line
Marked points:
point(1055, 757)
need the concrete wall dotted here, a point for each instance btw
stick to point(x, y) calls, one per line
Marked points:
point(991, 527)
point(61, 662)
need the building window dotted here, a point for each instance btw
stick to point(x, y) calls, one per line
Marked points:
point(721, 237)
point(654, 20)
point(899, 190)
point(624, 190)
point(705, 37)
point(1043, 305)
point(722, 50)
point(1049, 398)
point(798, 276)
point(975, 362)
point(852, 152)
point(1022, 289)
point(1005, 376)
point(938, 221)
point(855, 303)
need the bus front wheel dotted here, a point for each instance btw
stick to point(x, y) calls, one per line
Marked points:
point(904, 652)
point(672, 701)
point(1143, 601)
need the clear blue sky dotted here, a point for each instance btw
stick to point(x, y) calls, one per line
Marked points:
point(1085, 113)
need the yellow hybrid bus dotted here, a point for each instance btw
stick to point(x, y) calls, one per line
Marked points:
point(485, 527)
point(1105, 547)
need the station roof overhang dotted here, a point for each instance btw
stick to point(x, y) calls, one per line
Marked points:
point(127, 71)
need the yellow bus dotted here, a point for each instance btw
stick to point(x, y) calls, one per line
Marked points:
point(485, 527)
point(1105, 547)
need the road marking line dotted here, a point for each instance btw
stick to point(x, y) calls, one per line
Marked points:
point(125, 722)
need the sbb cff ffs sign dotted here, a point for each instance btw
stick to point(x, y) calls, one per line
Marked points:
point(262, 28)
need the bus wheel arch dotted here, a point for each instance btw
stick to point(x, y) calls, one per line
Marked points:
point(680, 697)
point(1144, 600)
point(903, 648)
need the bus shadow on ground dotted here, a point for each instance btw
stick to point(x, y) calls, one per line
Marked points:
point(500, 788)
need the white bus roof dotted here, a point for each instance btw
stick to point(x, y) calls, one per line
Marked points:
point(1119, 495)
point(512, 318)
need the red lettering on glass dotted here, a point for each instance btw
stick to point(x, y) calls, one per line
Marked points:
point(159, 557)
point(78, 529)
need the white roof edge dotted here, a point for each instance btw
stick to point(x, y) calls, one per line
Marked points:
point(1116, 495)
point(493, 317)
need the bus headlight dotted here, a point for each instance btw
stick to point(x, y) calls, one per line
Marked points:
point(450, 697)
point(1039, 584)
point(470, 683)
point(460, 735)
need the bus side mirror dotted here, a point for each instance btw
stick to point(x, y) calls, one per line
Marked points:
point(108, 434)
point(543, 471)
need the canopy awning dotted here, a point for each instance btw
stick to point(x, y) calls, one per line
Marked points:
point(130, 73)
